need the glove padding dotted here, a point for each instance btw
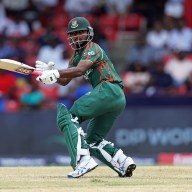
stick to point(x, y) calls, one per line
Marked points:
point(49, 77)
point(41, 66)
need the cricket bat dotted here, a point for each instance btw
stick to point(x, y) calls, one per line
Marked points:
point(18, 67)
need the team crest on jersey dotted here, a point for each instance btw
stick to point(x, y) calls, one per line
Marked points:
point(74, 24)
point(84, 54)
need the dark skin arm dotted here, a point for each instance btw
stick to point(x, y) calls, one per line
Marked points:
point(63, 81)
point(66, 75)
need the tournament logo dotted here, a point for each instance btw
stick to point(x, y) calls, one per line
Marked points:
point(74, 24)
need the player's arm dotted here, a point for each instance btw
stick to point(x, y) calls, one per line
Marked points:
point(77, 71)
point(66, 75)
point(63, 81)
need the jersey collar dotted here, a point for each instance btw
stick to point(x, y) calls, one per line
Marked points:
point(81, 50)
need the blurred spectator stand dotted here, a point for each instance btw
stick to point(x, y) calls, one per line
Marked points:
point(7, 82)
point(161, 83)
point(157, 38)
point(188, 12)
point(180, 37)
point(135, 79)
point(132, 23)
point(33, 98)
point(179, 67)
point(141, 53)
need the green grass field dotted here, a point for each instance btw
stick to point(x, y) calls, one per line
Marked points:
point(102, 179)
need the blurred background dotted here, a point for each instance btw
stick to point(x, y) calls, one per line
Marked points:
point(150, 45)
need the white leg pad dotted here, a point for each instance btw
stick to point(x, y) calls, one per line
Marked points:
point(107, 156)
point(80, 151)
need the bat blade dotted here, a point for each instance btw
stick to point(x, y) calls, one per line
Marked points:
point(18, 67)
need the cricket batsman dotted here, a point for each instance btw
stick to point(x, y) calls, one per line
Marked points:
point(101, 106)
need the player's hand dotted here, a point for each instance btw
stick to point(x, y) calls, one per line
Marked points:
point(41, 66)
point(49, 77)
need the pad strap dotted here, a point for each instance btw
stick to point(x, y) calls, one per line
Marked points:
point(107, 156)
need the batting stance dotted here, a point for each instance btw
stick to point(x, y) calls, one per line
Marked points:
point(101, 106)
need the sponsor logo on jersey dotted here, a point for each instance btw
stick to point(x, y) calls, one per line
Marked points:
point(74, 24)
point(91, 53)
point(86, 75)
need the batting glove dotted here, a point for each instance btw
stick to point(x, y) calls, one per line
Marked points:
point(49, 77)
point(41, 66)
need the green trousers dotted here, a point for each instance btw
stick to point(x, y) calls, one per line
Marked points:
point(101, 106)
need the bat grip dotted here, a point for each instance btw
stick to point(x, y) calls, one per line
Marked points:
point(37, 73)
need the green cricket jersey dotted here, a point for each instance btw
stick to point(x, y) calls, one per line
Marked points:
point(102, 68)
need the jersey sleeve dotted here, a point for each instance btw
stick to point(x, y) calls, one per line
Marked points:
point(92, 53)
point(70, 63)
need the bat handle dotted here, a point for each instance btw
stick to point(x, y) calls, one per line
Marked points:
point(37, 73)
